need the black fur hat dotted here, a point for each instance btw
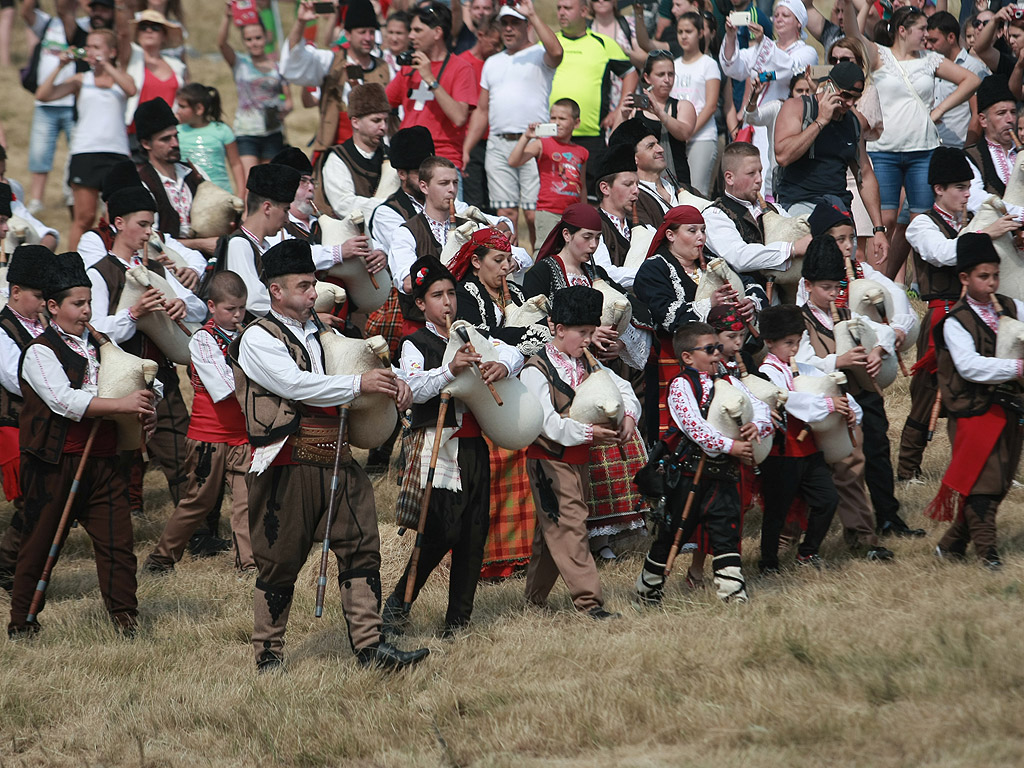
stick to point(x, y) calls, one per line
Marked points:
point(974, 248)
point(67, 270)
point(360, 15)
point(781, 321)
point(153, 116)
point(631, 132)
point(823, 260)
point(620, 158)
point(130, 200)
point(410, 147)
point(289, 257)
point(274, 182)
point(426, 271)
point(948, 166)
point(30, 266)
point(576, 305)
point(6, 196)
point(295, 158)
point(993, 89)
point(121, 174)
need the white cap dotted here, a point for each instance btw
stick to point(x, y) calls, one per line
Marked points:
point(506, 11)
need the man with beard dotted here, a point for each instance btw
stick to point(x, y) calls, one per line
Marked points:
point(172, 182)
point(349, 173)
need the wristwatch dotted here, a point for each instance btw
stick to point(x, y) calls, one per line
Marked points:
point(432, 86)
point(876, 230)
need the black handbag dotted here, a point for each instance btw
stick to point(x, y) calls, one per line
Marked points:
point(663, 469)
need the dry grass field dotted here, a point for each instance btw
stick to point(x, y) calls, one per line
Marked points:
point(914, 663)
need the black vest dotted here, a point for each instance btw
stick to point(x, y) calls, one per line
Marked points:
point(10, 403)
point(937, 282)
point(432, 346)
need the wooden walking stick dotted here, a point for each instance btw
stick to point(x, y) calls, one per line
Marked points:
point(58, 537)
point(677, 539)
point(332, 506)
point(934, 417)
point(414, 558)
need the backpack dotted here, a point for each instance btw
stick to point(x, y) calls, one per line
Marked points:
point(29, 73)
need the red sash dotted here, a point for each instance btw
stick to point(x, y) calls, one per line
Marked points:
point(929, 363)
point(976, 437)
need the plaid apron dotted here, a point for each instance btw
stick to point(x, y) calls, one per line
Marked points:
point(510, 538)
point(615, 505)
point(387, 322)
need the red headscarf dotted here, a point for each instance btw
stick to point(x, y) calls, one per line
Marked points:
point(681, 214)
point(576, 215)
point(493, 239)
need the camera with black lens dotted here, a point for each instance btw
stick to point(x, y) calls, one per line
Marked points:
point(404, 59)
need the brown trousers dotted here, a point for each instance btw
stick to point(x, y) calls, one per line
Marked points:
point(167, 445)
point(101, 507)
point(11, 540)
point(287, 514)
point(914, 438)
point(210, 467)
point(854, 509)
point(977, 519)
point(560, 545)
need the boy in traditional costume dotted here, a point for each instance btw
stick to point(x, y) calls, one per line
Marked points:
point(982, 395)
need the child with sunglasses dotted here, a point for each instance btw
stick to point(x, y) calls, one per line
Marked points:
point(716, 503)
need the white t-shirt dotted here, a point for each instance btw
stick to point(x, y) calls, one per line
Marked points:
point(691, 80)
point(953, 125)
point(519, 86)
point(51, 30)
point(102, 110)
point(907, 125)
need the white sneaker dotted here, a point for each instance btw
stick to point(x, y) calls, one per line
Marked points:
point(35, 206)
point(607, 553)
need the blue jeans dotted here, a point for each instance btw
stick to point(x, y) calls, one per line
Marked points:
point(903, 170)
point(47, 124)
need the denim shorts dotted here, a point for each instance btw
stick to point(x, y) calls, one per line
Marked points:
point(261, 147)
point(903, 170)
point(47, 124)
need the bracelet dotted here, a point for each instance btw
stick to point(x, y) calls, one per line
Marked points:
point(820, 126)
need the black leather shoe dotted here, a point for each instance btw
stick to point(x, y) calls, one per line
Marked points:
point(269, 662)
point(876, 554)
point(396, 620)
point(992, 562)
point(207, 545)
point(25, 632)
point(897, 527)
point(599, 613)
point(385, 656)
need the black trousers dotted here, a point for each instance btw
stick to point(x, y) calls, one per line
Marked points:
point(716, 505)
point(457, 522)
point(914, 439)
point(474, 179)
point(792, 476)
point(878, 474)
point(596, 147)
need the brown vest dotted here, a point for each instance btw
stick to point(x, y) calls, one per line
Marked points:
point(10, 403)
point(648, 209)
point(170, 221)
point(365, 173)
point(983, 159)
point(824, 342)
point(937, 282)
point(617, 245)
point(561, 399)
point(750, 230)
point(43, 432)
point(960, 397)
point(112, 270)
point(268, 416)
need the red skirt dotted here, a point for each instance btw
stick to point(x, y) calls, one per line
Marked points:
point(513, 515)
point(615, 505)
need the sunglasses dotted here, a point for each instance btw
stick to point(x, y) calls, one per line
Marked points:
point(659, 53)
point(708, 349)
point(836, 59)
point(850, 95)
point(150, 26)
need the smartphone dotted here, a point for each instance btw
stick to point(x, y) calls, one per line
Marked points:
point(828, 87)
point(243, 13)
point(740, 18)
point(765, 77)
point(323, 9)
point(546, 130)
point(820, 71)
